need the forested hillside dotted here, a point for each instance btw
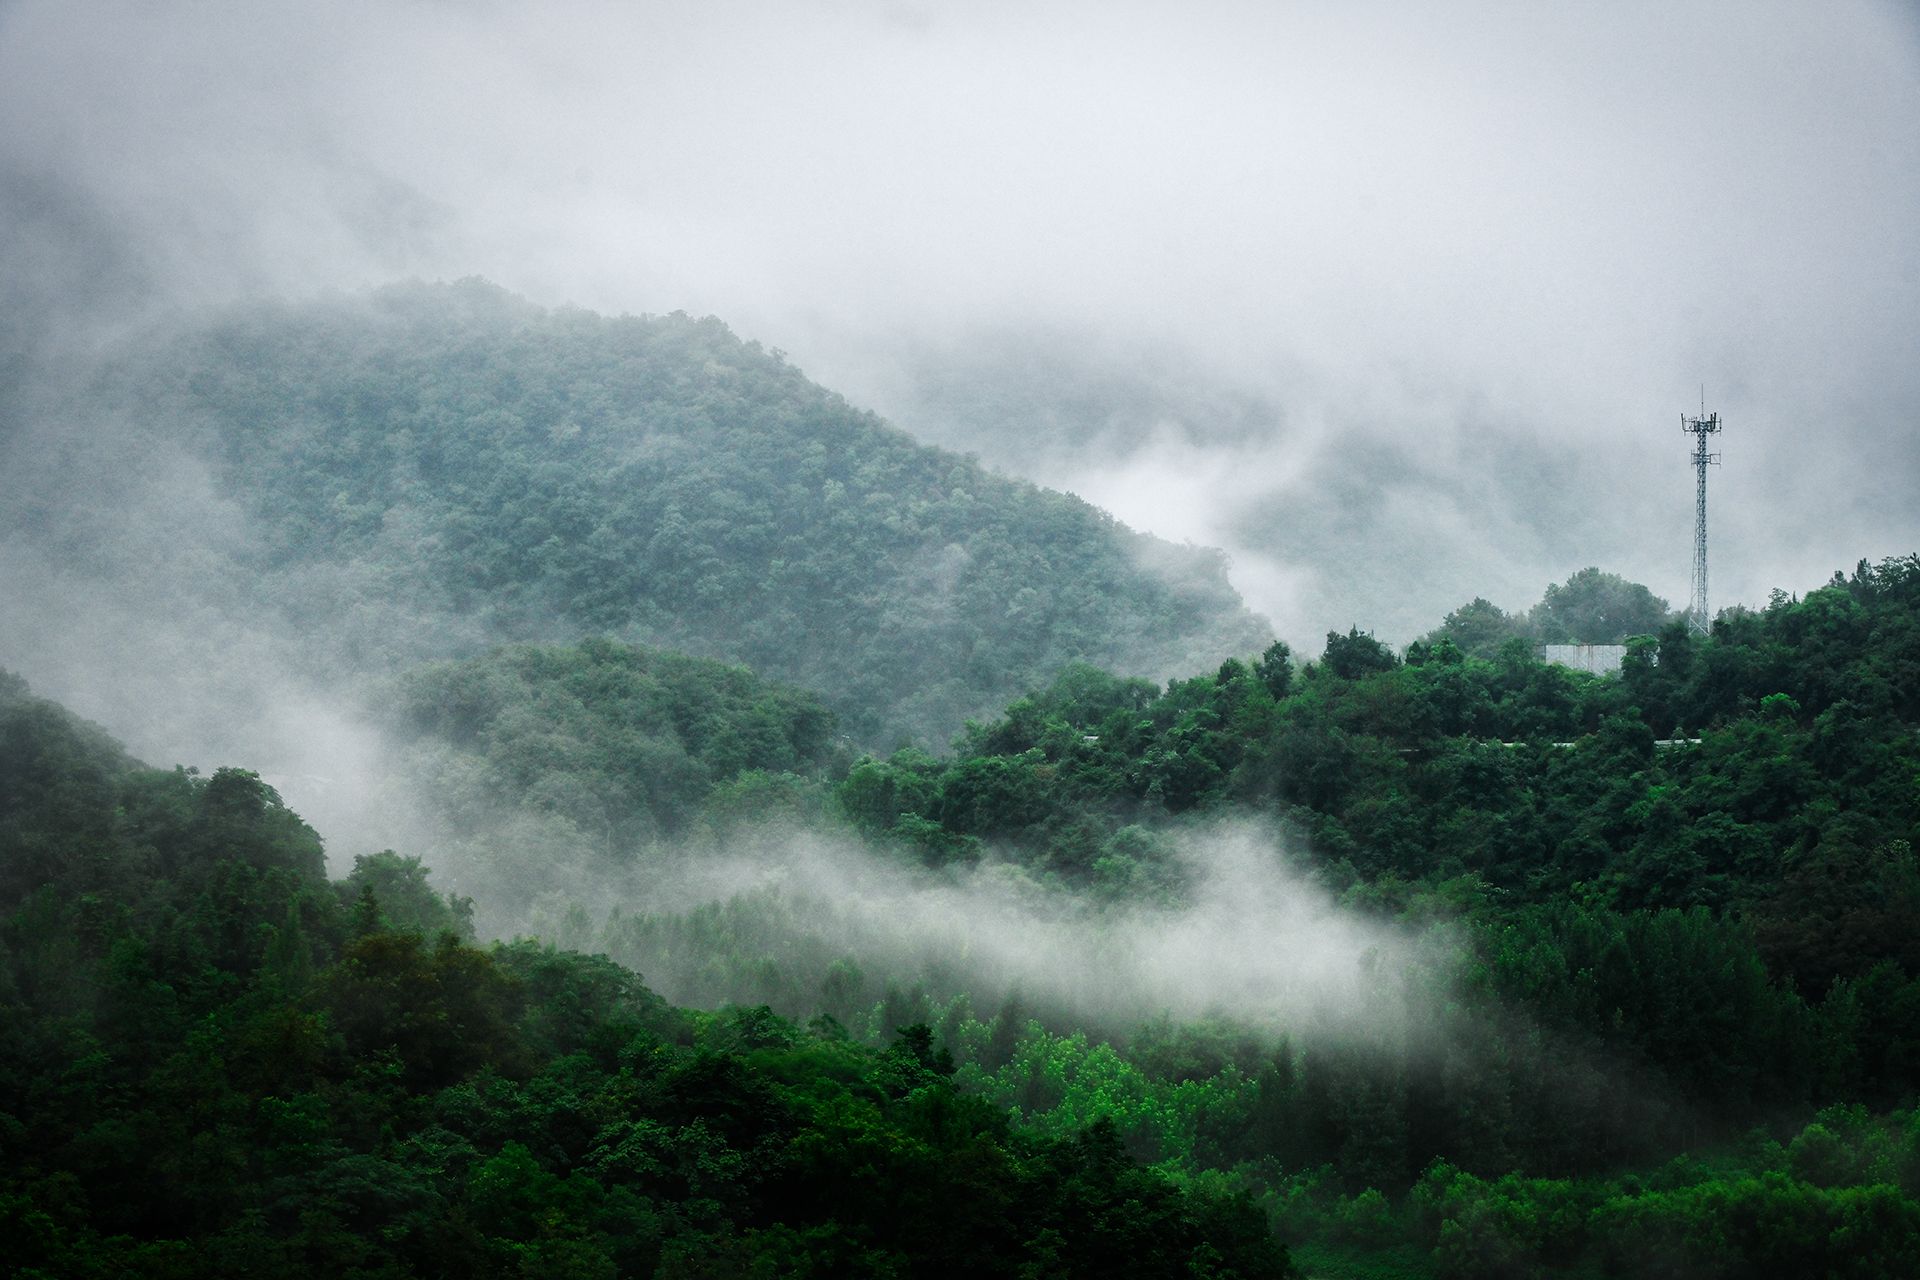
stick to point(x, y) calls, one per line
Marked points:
point(214, 1062)
point(1668, 914)
point(971, 946)
point(567, 770)
point(1559, 974)
point(429, 470)
point(1784, 738)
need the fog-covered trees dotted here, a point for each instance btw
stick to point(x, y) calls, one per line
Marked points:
point(427, 471)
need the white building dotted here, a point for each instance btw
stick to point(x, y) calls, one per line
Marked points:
point(1597, 659)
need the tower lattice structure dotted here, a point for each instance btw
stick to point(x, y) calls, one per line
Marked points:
point(1700, 428)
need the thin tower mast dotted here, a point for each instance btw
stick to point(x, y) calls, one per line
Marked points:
point(1700, 428)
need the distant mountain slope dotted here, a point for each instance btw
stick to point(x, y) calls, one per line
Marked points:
point(430, 469)
point(563, 768)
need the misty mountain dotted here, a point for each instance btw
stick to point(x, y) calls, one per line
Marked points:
point(563, 770)
point(618, 737)
point(428, 470)
point(1336, 509)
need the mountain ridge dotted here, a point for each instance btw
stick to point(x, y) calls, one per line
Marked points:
point(429, 470)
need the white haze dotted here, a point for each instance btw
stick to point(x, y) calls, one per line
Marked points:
point(1253, 938)
point(1399, 304)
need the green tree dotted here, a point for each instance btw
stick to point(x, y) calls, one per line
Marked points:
point(1356, 654)
point(1479, 628)
point(1593, 607)
point(406, 902)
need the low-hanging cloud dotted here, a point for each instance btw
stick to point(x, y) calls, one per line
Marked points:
point(1251, 936)
point(1365, 264)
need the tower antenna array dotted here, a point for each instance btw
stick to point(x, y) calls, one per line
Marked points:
point(1700, 428)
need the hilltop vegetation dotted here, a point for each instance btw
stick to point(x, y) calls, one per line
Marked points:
point(1534, 780)
point(1591, 607)
point(426, 471)
point(1507, 777)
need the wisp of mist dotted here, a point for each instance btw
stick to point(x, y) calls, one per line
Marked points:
point(1251, 938)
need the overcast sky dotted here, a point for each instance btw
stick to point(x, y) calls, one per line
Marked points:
point(1400, 304)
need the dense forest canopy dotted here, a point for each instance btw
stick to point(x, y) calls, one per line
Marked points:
point(1635, 955)
point(1594, 956)
point(972, 943)
point(428, 470)
point(1682, 902)
point(217, 1063)
point(564, 769)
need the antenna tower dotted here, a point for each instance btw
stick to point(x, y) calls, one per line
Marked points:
point(1700, 428)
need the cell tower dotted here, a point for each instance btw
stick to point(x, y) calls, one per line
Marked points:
point(1700, 428)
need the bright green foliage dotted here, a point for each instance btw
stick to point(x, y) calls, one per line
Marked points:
point(1700, 934)
point(1756, 1216)
point(213, 1063)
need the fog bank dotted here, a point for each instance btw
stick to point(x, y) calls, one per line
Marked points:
point(1398, 306)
